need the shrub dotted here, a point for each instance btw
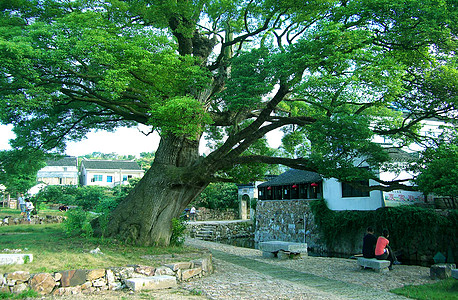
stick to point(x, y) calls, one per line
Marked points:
point(410, 227)
point(78, 223)
point(178, 232)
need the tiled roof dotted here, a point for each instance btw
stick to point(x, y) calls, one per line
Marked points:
point(398, 155)
point(293, 176)
point(98, 164)
point(68, 161)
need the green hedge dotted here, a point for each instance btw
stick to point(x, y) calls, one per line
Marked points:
point(418, 232)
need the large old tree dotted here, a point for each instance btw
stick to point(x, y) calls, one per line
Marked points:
point(328, 75)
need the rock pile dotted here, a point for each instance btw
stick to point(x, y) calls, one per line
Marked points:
point(73, 282)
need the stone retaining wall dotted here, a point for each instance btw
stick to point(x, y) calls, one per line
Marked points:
point(287, 220)
point(33, 220)
point(73, 282)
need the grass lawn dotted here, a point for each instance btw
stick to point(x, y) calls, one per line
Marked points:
point(54, 251)
point(441, 290)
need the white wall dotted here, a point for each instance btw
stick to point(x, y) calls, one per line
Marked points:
point(332, 193)
point(117, 177)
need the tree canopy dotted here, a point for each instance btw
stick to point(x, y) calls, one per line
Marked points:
point(331, 75)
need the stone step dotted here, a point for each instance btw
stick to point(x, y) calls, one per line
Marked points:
point(151, 283)
point(11, 259)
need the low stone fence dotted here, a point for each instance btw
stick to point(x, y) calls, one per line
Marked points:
point(33, 220)
point(72, 282)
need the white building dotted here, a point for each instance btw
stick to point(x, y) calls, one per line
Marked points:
point(63, 171)
point(108, 172)
point(297, 184)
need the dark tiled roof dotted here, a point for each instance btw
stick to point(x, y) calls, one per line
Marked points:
point(68, 161)
point(293, 176)
point(99, 164)
point(398, 155)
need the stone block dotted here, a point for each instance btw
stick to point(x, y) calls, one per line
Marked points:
point(95, 274)
point(205, 263)
point(189, 273)
point(19, 288)
point(151, 283)
point(180, 265)
point(73, 277)
point(163, 270)
point(455, 273)
point(42, 283)
point(275, 246)
point(441, 271)
point(145, 270)
point(18, 276)
point(11, 259)
point(373, 263)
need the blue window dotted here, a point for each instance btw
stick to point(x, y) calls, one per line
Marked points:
point(97, 178)
point(109, 178)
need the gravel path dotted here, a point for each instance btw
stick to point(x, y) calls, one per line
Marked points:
point(242, 273)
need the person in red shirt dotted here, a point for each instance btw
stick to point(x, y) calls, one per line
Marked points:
point(383, 250)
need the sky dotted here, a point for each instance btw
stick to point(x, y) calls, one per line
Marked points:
point(124, 141)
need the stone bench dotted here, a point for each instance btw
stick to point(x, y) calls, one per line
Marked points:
point(373, 263)
point(11, 259)
point(282, 249)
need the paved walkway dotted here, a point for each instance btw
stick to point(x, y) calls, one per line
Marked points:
point(240, 275)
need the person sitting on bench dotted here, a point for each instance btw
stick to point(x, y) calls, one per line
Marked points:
point(369, 242)
point(383, 250)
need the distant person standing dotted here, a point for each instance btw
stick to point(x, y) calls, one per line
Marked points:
point(369, 242)
point(192, 213)
point(29, 208)
point(21, 201)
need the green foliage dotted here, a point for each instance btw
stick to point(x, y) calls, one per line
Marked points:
point(18, 169)
point(443, 290)
point(437, 174)
point(78, 223)
point(86, 197)
point(219, 195)
point(182, 116)
point(58, 194)
point(146, 160)
point(178, 232)
point(405, 224)
point(22, 295)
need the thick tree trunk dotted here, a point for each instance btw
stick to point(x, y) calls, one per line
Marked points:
point(173, 181)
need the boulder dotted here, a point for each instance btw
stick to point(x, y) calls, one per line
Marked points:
point(42, 283)
point(441, 271)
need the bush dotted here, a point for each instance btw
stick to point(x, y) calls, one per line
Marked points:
point(410, 227)
point(78, 223)
point(178, 232)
